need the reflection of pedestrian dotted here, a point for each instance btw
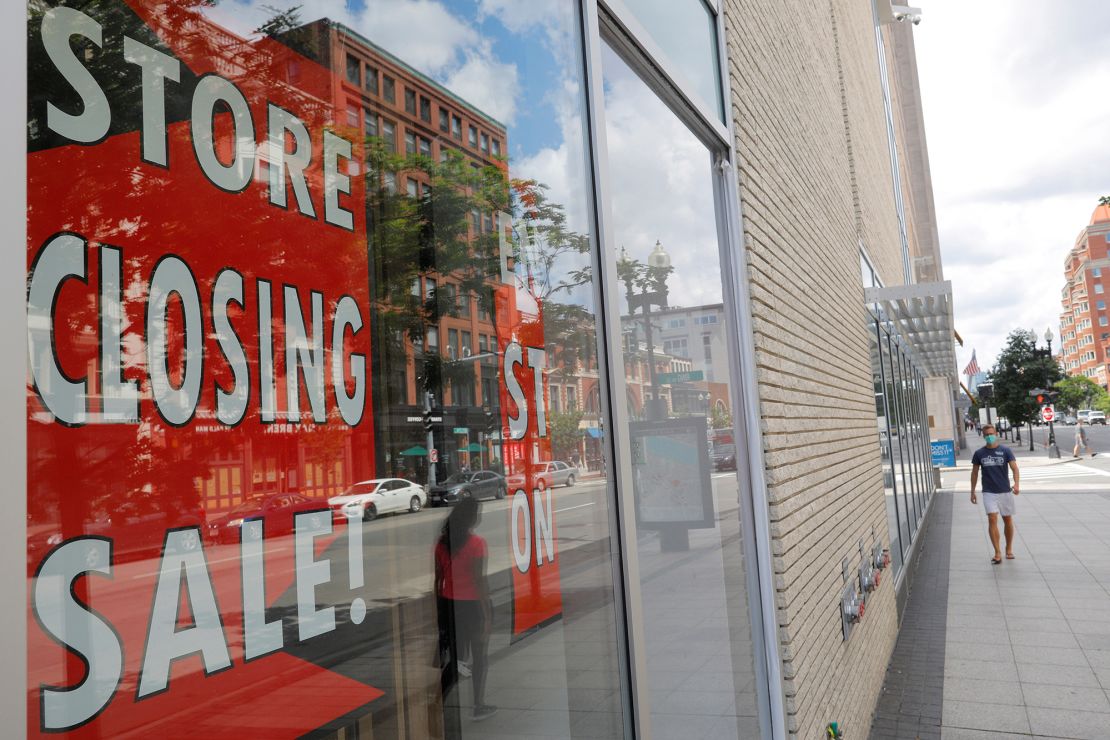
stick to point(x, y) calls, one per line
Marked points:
point(1081, 439)
point(463, 602)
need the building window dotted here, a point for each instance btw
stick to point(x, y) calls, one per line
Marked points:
point(353, 70)
point(444, 120)
point(707, 346)
point(1102, 321)
point(389, 182)
point(496, 147)
point(1100, 305)
point(352, 116)
point(1097, 271)
point(485, 143)
point(425, 109)
point(453, 343)
point(456, 127)
point(1098, 288)
point(412, 187)
point(572, 398)
point(425, 147)
point(410, 142)
point(433, 339)
point(389, 136)
point(429, 289)
point(371, 80)
point(472, 137)
point(463, 304)
point(676, 323)
point(467, 346)
point(371, 122)
point(389, 91)
point(410, 101)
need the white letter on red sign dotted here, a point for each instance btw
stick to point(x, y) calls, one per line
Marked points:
point(62, 258)
point(80, 630)
point(58, 26)
point(164, 642)
point(311, 573)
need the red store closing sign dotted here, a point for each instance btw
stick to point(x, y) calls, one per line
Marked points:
point(198, 259)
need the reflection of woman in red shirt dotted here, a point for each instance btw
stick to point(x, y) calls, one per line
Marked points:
point(463, 602)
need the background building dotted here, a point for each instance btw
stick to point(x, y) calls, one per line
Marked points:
point(1084, 321)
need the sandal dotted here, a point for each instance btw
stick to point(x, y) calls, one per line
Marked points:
point(996, 561)
point(1009, 556)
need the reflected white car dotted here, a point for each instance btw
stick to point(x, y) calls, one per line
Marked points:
point(370, 498)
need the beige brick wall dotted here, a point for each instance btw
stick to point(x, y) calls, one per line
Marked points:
point(815, 183)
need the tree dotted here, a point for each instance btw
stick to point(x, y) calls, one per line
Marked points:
point(1020, 368)
point(720, 418)
point(565, 433)
point(1080, 392)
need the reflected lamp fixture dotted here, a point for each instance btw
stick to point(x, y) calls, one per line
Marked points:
point(659, 256)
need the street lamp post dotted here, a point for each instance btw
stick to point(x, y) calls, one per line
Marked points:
point(659, 265)
point(1053, 450)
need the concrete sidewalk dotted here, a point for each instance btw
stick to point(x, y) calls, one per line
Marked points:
point(1025, 644)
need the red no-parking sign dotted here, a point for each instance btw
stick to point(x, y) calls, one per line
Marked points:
point(1048, 413)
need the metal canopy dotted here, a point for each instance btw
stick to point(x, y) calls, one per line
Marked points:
point(922, 315)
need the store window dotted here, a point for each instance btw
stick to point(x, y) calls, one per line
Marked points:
point(883, 404)
point(689, 546)
point(241, 426)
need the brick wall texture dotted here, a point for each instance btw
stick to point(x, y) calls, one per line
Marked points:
point(816, 185)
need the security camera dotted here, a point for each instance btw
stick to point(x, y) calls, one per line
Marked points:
point(906, 13)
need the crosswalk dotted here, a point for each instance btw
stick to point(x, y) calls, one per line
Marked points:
point(1060, 472)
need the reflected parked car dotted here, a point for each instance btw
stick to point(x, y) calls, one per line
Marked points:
point(369, 498)
point(1068, 420)
point(276, 511)
point(558, 473)
point(1096, 417)
point(477, 484)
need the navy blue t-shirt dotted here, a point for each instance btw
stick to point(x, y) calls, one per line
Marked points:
point(994, 467)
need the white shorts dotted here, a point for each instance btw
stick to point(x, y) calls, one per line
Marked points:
point(1000, 503)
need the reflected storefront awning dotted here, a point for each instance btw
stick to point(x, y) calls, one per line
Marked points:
point(922, 315)
point(416, 451)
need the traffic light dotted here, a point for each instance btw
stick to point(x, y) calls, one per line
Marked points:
point(1042, 399)
point(491, 422)
point(428, 421)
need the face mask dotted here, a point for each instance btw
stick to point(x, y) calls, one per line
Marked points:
point(991, 439)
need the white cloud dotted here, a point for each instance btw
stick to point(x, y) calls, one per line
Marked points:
point(1017, 118)
point(661, 187)
point(518, 16)
point(490, 85)
point(422, 33)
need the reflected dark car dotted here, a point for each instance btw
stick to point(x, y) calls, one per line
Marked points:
point(137, 528)
point(276, 511)
point(724, 457)
point(479, 484)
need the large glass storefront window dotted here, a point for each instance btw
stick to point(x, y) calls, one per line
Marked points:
point(680, 380)
point(313, 340)
point(883, 418)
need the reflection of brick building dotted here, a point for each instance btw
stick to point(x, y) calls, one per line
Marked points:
point(1085, 321)
point(380, 97)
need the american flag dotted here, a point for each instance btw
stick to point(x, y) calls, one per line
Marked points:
point(972, 367)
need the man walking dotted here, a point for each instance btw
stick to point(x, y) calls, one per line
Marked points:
point(997, 462)
point(1081, 439)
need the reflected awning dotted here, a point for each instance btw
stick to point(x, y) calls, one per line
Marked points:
point(416, 451)
point(922, 315)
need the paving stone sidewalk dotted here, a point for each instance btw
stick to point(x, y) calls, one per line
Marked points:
point(1025, 644)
